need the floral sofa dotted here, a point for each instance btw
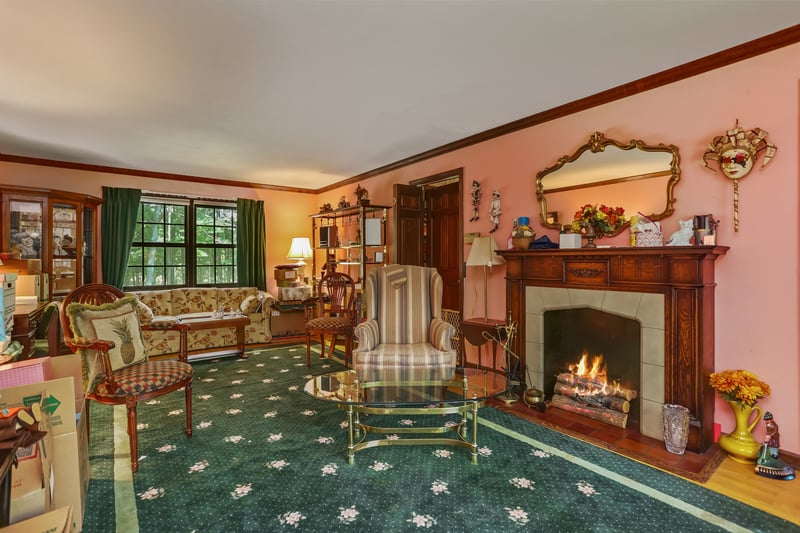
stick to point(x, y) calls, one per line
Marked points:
point(164, 306)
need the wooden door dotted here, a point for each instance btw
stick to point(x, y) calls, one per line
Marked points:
point(428, 230)
point(409, 224)
point(445, 243)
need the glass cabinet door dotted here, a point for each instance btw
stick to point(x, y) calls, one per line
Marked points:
point(26, 229)
point(66, 243)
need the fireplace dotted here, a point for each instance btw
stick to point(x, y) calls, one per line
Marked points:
point(667, 291)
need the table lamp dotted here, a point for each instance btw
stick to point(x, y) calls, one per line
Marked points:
point(299, 251)
point(483, 254)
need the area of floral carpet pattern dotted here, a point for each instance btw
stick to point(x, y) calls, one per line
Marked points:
point(265, 456)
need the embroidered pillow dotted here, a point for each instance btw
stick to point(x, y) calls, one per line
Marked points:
point(115, 321)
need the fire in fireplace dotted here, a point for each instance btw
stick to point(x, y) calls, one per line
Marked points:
point(610, 346)
point(585, 389)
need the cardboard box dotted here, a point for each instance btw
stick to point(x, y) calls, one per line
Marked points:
point(25, 372)
point(68, 434)
point(57, 521)
point(288, 323)
point(286, 274)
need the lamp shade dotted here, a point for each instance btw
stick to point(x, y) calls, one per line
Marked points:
point(300, 249)
point(483, 253)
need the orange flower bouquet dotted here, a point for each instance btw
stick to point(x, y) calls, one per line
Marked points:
point(739, 386)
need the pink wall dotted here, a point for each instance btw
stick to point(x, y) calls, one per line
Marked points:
point(757, 281)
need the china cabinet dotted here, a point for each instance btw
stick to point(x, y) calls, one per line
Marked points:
point(51, 236)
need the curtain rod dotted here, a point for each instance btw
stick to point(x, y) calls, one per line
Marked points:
point(186, 196)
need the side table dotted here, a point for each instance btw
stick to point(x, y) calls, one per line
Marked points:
point(472, 330)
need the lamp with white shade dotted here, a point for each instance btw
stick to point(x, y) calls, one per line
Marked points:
point(483, 253)
point(299, 251)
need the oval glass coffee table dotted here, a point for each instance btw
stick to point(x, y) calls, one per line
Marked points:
point(394, 392)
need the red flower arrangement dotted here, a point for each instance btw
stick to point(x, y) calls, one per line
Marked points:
point(602, 218)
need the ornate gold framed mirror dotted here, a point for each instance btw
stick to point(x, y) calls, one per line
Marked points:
point(636, 176)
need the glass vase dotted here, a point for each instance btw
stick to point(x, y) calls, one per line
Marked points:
point(676, 428)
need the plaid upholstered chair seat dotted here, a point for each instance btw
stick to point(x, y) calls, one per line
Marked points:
point(145, 377)
point(403, 332)
point(331, 323)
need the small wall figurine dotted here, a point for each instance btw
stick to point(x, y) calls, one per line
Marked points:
point(683, 236)
point(476, 200)
point(736, 153)
point(494, 211)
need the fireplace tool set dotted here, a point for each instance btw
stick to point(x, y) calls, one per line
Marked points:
point(505, 339)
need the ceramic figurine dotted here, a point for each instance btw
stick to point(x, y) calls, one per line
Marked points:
point(494, 211)
point(683, 236)
point(476, 200)
point(769, 463)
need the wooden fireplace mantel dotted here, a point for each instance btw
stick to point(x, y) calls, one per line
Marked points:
point(683, 274)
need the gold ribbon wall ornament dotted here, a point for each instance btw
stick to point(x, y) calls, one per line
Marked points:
point(736, 153)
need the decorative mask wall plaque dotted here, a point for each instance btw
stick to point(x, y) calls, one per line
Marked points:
point(736, 153)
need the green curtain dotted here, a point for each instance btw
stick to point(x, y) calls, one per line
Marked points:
point(117, 226)
point(251, 242)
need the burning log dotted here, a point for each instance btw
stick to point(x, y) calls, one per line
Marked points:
point(609, 416)
point(595, 384)
point(599, 400)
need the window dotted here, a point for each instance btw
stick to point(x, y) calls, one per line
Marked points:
point(182, 243)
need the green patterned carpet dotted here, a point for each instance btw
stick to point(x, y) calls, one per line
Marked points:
point(267, 457)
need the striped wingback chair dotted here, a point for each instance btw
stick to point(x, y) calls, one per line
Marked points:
point(404, 336)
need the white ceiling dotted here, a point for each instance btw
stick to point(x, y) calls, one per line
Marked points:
point(307, 93)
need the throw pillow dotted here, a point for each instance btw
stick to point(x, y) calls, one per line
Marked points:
point(146, 314)
point(115, 321)
point(250, 304)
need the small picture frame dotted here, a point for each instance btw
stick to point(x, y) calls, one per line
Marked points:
point(552, 217)
point(379, 257)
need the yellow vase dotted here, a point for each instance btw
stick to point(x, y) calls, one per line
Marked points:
point(740, 444)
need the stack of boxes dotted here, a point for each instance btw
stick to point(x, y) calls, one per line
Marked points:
point(288, 315)
point(53, 474)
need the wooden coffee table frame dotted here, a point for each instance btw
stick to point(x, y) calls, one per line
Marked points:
point(238, 322)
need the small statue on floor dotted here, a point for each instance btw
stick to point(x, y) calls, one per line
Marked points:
point(769, 463)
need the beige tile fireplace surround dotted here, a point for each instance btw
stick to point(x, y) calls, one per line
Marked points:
point(645, 308)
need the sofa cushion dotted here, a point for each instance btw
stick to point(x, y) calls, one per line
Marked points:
point(160, 302)
point(194, 300)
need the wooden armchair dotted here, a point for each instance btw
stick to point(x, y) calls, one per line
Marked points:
point(332, 312)
point(102, 324)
